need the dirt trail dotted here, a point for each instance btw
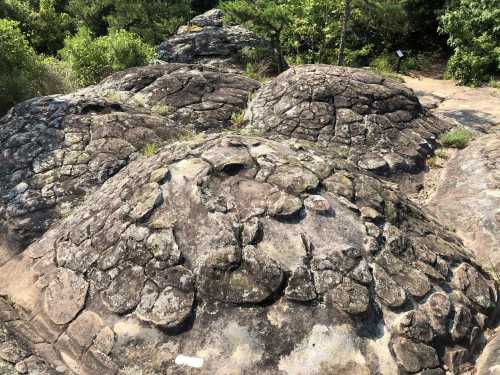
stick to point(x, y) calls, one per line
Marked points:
point(475, 108)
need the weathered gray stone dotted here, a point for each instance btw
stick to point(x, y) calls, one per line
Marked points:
point(301, 285)
point(11, 352)
point(413, 356)
point(386, 288)
point(65, 296)
point(124, 292)
point(468, 280)
point(351, 297)
point(207, 41)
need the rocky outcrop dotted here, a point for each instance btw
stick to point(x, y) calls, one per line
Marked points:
point(16, 355)
point(377, 123)
point(205, 40)
point(467, 198)
point(241, 254)
point(53, 150)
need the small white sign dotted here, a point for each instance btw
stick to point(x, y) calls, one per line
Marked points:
point(184, 360)
point(400, 53)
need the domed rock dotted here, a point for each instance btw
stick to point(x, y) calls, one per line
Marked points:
point(376, 122)
point(205, 40)
point(217, 277)
point(53, 150)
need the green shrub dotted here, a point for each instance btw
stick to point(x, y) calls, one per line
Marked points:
point(94, 58)
point(473, 28)
point(456, 138)
point(49, 27)
point(150, 149)
point(387, 63)
point(125, 50)
point(18, 65)
point(86, 58)
point(237, 119)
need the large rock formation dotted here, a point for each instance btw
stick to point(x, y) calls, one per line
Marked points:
point(237, 254)
point(207, 41)
point(53, 150)
point(467, 198)
point(378, 123)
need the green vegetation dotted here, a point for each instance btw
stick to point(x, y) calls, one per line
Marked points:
point(18, 65)
point(238, 119)
point(267, 18)
point(23, 73)
point(94, 58)
point(151, 149)
point(456, 138)
point(473, 29)
point(151, 20)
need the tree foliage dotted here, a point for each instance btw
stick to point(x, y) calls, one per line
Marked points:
point(18, 65)
point(473, 27)
point(267, 18)
point(153, 20)
point(50, 27)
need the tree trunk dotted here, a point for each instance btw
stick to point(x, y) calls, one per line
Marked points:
point(345, 20)
point(279, 56)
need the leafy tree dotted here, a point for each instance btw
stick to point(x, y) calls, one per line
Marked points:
point(267, 18)
point(312, 37)
point(152, 20)
point(91, 14)
point(50, 27)
point(44, 22)
point(473, 27)
point(93, 58)
point(18, 65)
point(18, 10)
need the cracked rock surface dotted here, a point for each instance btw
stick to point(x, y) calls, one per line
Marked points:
point(254, 256)
point(206, 40)
point(377, 122)
point(56, 149)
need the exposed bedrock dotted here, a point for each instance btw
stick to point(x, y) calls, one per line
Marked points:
point(54, 150)
point(206, 40)
point(467, 198)
point(376, 122)
point(251, 256)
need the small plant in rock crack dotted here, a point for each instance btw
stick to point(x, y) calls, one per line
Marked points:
point(238, 119)
point(456, 138)
point(150, 149)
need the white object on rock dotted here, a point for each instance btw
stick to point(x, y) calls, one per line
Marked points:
point(189, 361)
